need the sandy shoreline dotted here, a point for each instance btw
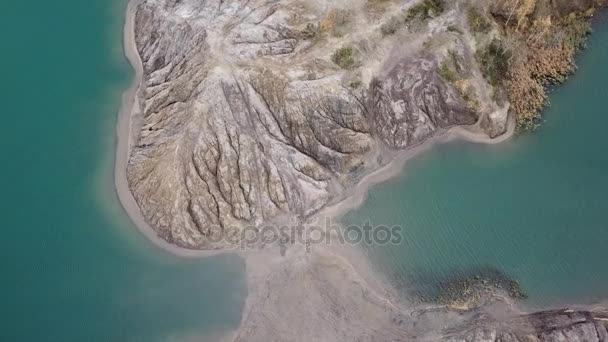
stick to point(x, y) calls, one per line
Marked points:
point(124, 141)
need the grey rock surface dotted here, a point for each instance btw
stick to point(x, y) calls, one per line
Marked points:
point(245, 119)
point(546, 326)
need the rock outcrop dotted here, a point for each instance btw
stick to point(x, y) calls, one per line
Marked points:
point(546, 326)
point(247, 117)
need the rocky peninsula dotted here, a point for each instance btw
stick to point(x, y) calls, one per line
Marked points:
point(257, 112)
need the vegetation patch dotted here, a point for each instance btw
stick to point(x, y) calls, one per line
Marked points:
point(451, 68)
point(356, 84)
point(426, 9)
point(543, 45)
point(469, 290)
point(477, 21)
point(310, 31)
point(446, 72)
point(577, 29)
point(392, 25)
point(494, 62)
point(345, 57)
point(453, 73)
point(454, 29)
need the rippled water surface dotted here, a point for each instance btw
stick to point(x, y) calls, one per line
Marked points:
point(72, 266)
point(74, 269)
point(534, 208)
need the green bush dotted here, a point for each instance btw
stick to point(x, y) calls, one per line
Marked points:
point(446, 72)
point(345, 57)
point(494, 62)
point(454, 29)
point(450, 69)
point(356, 84)
point(477, 21)
point(426, 9)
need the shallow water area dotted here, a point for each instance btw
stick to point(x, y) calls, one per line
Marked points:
point(73, 266)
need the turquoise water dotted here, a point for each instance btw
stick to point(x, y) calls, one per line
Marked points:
point(534, 208)
point(74, 269)
point(72, 266)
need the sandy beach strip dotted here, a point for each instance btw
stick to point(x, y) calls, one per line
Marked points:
point(124, 141)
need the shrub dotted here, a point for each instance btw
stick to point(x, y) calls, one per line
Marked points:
point(494, 62)
point(310, 31)
point(356, 84)
point(477, 21)
point(345, 57)
point(446, 72)
point(426, 9)
point(577, 30)
point(450, 69)
point(454, 29)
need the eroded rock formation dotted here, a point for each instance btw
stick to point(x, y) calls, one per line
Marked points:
point(545, 326)
point(247, 118)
